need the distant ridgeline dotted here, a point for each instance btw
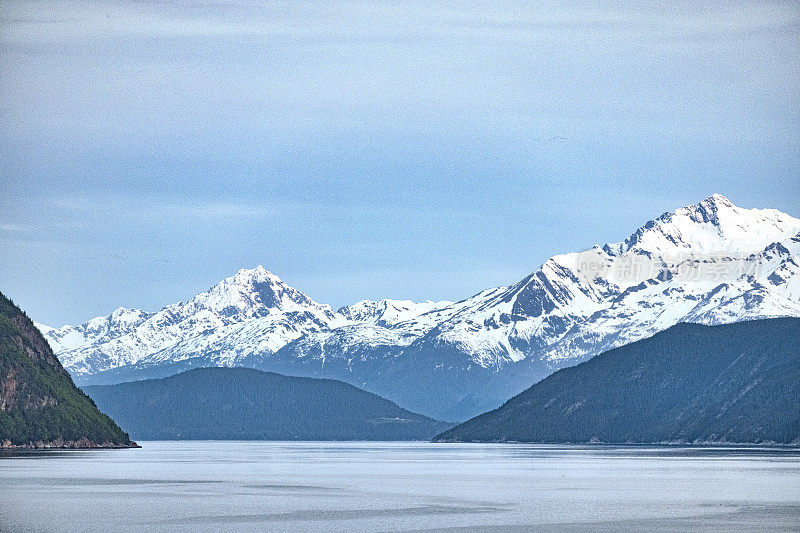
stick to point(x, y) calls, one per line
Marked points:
point(710, 263)
point(247, 404)
point(737, 383)
point(39, 404)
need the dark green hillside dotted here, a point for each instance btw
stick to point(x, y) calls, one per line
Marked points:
point(736, 383)
point(247, 404)
point(39, 404)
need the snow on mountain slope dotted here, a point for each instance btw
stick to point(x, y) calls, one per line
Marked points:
point(387, 313)
point(253, 310)
point(118, 323)
point(713, 226)
point(710, 263)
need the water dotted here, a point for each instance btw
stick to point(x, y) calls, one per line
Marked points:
point(242, 486)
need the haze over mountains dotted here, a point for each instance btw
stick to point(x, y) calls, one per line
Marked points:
point(709, 263)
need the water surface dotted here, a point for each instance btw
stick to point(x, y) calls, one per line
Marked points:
point(282, 486)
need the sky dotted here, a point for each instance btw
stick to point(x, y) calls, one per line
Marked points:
point(364, 150)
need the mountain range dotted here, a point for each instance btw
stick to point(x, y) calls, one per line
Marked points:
point(690, 384)
point(709, 263)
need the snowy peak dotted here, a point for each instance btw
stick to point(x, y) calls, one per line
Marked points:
point(254, 293)
point(713, 226)
point(709, 209)
point(121, 318)
point(250, 312)
point(711, 262)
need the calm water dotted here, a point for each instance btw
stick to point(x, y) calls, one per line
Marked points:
point(190, 486)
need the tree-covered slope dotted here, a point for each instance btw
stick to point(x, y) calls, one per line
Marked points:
point(691, 383)
point(243, 403)
point(39, 404)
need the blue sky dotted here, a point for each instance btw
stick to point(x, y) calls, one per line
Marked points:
point(421, 150)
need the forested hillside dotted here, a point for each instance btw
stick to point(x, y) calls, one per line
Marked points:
point(39, 404)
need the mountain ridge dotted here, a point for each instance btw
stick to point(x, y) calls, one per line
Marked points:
point(236, 403)
point(690, 384)
point(709, 263)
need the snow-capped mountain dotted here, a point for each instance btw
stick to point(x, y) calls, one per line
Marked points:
point(253, 310)
point(97, 330)
point(709, 263)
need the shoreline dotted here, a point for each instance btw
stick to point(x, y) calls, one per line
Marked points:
point(675, 444)
point(66, 445)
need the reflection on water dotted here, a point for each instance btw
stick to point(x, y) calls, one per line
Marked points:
point(241, 486)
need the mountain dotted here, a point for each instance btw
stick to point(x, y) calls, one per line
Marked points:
point(247, 404)
point(735, 383)
point(708, 263)
point(251, 312)
point(39, 404)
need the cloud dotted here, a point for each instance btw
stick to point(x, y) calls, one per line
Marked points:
point(38, 23)
point(155, 208)
point(15, 228)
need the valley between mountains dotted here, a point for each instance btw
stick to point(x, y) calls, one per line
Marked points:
point(710, 263)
